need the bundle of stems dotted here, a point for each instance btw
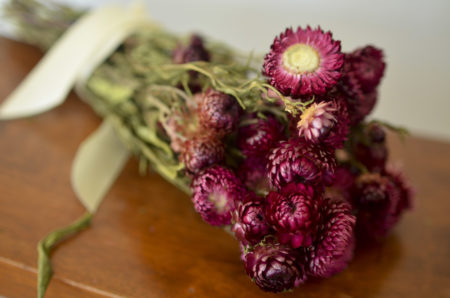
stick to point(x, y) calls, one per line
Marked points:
point(139, 83)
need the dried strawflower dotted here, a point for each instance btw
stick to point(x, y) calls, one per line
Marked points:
point(182, 124)
point(194, 51)
point(380, 199)
point(249, 222)
point(215, 192)
point(333, 248)
point(218, 111)
point(294, 214)
point(302, 62)
point(298, 161)
point(200, 152)
point(273, 267)
point(367, 64)
point(361, 74)
point(325, 122)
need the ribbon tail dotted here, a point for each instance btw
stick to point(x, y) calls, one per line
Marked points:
point(98, 162)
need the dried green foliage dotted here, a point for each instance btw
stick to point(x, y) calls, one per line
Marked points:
point(39, 23)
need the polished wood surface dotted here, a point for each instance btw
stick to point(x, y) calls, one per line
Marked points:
point(147, 241)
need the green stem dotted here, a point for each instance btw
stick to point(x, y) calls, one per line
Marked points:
point(46, 245)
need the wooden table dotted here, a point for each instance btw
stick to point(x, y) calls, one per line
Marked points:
point(147, 241)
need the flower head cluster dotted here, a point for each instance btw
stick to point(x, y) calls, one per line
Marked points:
point(197, 130)
point(293, 187)
point(308, 234)
point(285, 160)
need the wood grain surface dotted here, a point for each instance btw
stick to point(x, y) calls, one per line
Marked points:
point(147, 241)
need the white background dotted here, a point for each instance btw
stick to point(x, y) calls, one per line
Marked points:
point(415, 36)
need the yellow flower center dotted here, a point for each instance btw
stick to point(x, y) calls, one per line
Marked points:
point(300, 58)
point(219, 200)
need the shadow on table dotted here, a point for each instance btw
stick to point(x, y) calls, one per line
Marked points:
point(366, 275)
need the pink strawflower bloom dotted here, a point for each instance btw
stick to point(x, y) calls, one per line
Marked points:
point(350, 90)
point(200, 152)
point(273, 267)
point(215, 193)
point(194, 51)
point(381, 200)
point(325, 122)
point(259, 137)
point(249, 222)
point(218, 111)
point(182, 124)
point(361, 74)
point(367, 65)
point(316, 121)
point(294, 214)
point(298, 161)
point(334, 246)
point(359, 104)
point(302, 62)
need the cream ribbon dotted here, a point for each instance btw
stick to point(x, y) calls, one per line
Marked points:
point(99, 160)
point(86, 44)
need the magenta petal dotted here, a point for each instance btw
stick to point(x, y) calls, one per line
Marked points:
point(297, 240)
